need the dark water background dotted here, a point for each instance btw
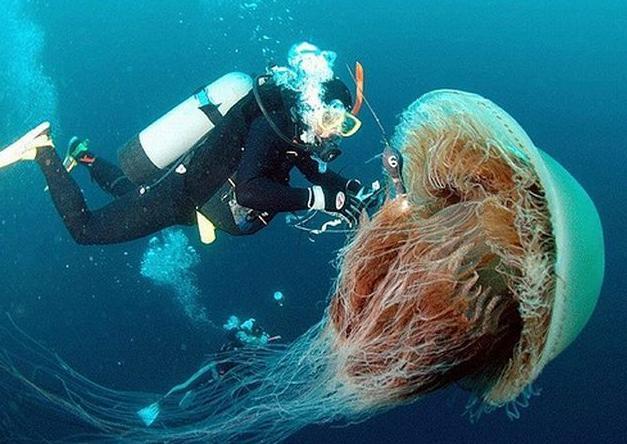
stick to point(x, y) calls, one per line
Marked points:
point(559, 67)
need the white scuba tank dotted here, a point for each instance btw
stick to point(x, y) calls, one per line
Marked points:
point(175, 133)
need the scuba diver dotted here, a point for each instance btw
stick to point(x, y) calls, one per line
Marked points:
point(239, 335)
point(221, 159)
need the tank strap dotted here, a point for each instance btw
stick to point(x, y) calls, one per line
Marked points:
point(212, 113)
point(266, 114)
point(206, 106)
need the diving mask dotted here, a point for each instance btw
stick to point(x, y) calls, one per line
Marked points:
point(334, 121)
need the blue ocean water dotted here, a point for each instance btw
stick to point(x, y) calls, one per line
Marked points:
point(104, 70)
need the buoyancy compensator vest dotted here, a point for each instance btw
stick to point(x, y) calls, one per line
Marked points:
point(160, 147)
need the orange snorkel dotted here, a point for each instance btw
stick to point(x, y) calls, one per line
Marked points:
point(359, 85)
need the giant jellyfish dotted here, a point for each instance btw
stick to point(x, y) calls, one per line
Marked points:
point(480, 269)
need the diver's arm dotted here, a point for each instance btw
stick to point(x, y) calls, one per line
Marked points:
point(329, 179)
point(254, 187)
point(263, 194)
point(256, 190)
point(333, 192)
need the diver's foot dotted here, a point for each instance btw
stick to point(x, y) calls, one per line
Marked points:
point(27, 146)
point(77, 153)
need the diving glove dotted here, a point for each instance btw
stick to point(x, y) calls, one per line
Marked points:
point(346, 203)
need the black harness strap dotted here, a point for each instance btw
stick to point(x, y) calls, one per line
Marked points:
point(273, 125)
point(212, 113)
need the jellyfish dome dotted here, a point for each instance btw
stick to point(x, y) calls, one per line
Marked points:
point(481, 272)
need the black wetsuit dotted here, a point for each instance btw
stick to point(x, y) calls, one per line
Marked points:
point(242, 147)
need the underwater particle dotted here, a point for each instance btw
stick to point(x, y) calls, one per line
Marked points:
point(251, 6)
point(485, 270)
point(279, 298)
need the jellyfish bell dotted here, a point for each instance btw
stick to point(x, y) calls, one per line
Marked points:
point(483, 272)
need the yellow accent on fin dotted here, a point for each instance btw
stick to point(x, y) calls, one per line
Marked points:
point(206, 229)
point(25, 148)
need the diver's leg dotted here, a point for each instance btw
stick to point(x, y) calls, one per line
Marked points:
point(203, 375)
point(132, 216)
point(109, 177)
point(206, 375)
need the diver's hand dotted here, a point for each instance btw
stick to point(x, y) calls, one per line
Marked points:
point(345, 203)
point(354, 205)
